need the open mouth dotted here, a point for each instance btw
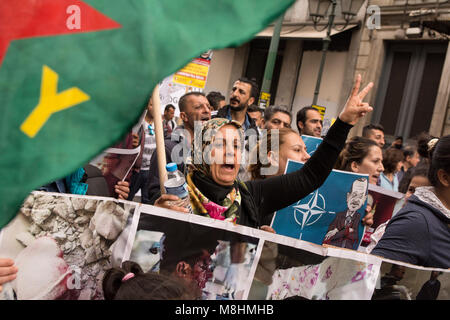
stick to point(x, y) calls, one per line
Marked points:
point(228, 167)
point(235, 101)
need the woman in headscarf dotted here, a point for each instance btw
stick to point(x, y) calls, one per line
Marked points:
point(216, 192)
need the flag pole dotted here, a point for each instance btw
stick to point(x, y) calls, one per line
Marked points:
point(159, 135)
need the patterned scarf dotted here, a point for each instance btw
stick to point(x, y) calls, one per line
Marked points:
point(228, 210)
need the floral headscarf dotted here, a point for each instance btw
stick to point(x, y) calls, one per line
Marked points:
point(228, 209)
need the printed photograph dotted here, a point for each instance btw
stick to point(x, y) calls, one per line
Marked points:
point(398, 282)
point(62, 244)
point(214, 263)
point(288, 273)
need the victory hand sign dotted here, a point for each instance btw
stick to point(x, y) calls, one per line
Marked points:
point(355, 108)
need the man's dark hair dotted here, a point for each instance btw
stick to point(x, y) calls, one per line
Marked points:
point(254, 108)
point(182, 101)
point(301, 116)
point(270, 111)
point(409, 151)
point(214, 97)
point(254, 92)
point(370, 127)
point(169, 106)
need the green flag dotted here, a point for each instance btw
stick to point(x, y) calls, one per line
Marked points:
point(76, 75)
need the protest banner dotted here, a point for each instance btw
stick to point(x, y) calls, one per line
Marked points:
point(331, 214)
point(271, 267)
point(62, 244)
point(194, 73)
point(192, 77)
point(313, 275)
point(384, 204)
point(163, 241)
point(311, 143)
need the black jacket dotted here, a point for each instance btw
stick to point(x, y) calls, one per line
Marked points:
point(223, 112)
point(418, 234)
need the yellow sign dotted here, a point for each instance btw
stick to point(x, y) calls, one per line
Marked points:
point(320, 109)
point(50, 102)
point(264, 99)
point(193, 74)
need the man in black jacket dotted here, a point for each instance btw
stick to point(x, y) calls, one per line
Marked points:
point(243, 94)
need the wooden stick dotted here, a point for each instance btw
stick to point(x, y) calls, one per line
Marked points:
point(159, 134)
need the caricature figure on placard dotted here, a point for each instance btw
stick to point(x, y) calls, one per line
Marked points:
point(343, 230)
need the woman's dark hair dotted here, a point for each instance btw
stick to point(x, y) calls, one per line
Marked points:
point(356, 149)
point(420, 170)
point(422, 144)
point(391, 157)
point(255, 168)
point(439, 159)
point(142, 286)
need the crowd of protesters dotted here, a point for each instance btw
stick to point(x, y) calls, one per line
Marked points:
point(235, 189)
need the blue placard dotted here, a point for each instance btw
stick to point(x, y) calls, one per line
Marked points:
point(312, 143)
point(323, 217)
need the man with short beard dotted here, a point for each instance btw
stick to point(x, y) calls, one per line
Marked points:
point(309, 122)
point(243, 94)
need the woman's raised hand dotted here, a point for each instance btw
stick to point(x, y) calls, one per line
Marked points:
point(355, 108)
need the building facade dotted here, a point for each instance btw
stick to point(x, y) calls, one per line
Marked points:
point(400, 45)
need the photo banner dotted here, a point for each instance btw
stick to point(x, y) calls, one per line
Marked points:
point(402, 281)
point(331, 214)
point(301, 274)
point(192, 77)
point(63, 244)
point(164, 243)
